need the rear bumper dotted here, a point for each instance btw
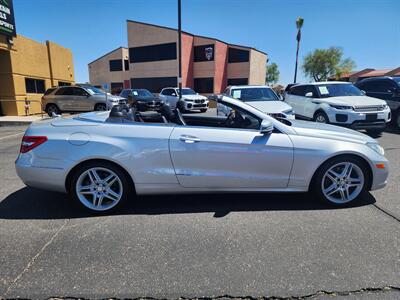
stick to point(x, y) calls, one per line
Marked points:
point(41, 177)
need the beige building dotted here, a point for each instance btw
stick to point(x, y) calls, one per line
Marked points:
point(111, 70)
point(150, 61)
point(28, 68)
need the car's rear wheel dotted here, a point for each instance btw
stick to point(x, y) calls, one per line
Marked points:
point(341, 180)
point(321, 117)
point(52, 108)
point(100, 186)
point(100, 107)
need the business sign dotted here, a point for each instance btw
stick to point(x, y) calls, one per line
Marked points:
point(7, 22)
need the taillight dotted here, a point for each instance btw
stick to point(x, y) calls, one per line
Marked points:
point(30, 142)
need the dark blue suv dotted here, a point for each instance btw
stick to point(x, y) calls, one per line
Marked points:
point(386, 88)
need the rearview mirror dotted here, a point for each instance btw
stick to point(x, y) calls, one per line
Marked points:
point(266, 127)
point(309, 95)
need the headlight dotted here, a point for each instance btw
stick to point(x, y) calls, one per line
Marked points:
point(377, 148)
point(188, 100)
point(385, 106)
point(342, 107)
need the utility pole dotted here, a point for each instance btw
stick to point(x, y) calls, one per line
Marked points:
point(179, 51)
point(299, 24)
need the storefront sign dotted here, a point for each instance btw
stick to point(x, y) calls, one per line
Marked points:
point(7, 22)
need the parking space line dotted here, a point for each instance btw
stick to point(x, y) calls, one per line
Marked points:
point(11, 135)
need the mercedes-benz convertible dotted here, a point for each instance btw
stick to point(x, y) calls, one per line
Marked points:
point(104, 159)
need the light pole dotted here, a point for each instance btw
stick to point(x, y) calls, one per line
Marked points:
point(179, 51)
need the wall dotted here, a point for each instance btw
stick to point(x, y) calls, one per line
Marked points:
point(145, 35)
point(258, 62)
point(28, 58)
point(99, 70)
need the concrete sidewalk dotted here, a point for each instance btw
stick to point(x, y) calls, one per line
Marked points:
point(20, 120)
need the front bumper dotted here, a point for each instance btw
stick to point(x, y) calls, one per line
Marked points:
point(196, 105)
point(360, 120)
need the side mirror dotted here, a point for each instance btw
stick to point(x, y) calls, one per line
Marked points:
point(309, 94)
point(280, 97)
point(266, 127)
point(363, 92)
point(173, 94)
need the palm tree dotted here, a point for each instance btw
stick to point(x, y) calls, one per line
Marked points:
point(299, 24)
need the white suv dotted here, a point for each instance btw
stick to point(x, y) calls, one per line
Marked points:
point(191, 99)
point(339, 103)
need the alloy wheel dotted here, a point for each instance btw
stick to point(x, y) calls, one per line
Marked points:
point(321, 119)
point(342, 182)
point(99, 189)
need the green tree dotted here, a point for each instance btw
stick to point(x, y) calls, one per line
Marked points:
point(321, 64)
point(272, 74)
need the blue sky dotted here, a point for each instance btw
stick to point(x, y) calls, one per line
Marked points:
point(368, 31)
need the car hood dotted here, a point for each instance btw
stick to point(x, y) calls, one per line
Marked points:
point(332, 132)
point(194, 97)
point(354, 100)
point(270, 107)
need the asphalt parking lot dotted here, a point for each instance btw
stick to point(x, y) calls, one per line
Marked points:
point(200, 245)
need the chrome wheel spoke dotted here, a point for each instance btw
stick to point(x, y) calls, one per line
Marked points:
point(99, 188)
point(342, 182)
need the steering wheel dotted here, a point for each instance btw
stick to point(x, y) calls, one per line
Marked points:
point(235, 119)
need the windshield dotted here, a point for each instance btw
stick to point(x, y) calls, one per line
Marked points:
point(397, 79)
point(142, 93)
point(94, 90)
point(187, 92)
point(254, 94)
point(337, 90)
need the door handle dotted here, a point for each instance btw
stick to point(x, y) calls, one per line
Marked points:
point(189, 139)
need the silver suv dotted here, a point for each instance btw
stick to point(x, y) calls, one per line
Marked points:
point(78, 99)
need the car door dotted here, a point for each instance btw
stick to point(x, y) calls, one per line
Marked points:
point(296, 99)
point(229, 158)
point(64, 98)
point(310, 102)
point(82, 100)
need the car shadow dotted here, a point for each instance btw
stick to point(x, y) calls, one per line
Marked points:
point(29, 203)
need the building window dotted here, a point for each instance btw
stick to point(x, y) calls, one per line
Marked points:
point(116, 65)
point(63, 83)
point(126, 63)
point(116, 87)
point(204, 85)
point(237, 55)
point(152, 53)
point(204, 53)
point(35, 86)
point(238, 81)
point(153, 84)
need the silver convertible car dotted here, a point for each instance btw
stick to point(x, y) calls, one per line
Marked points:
point(103, 159)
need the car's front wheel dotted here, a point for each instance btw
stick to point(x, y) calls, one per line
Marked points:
point(341, 180)
point(321, 117)
point(100, 186)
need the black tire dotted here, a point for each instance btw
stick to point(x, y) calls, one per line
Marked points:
point(319, 116)
point(100, 107)
point(317, 182)
point(50, 108)
point(203, 110)
point(127, 191)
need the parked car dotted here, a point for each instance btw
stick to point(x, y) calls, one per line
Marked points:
point(190, 99)
point(77, 99)
point(261, 97)
point(143, 100)
point(125, 93)
point(386, 88)
point(339, 103)
point(104, 165)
